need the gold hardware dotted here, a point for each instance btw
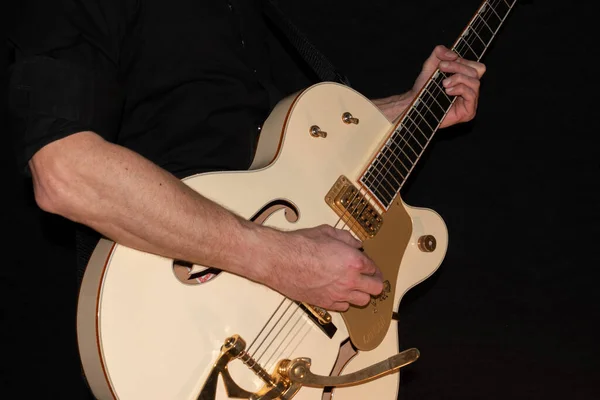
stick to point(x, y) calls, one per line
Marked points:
point(232, 347)
point(367, 328)
point(289, 375)
point(426, 243)
point(354, 208)
point(299, 371)
point(349, 119)
point(277, 386)
point(315, 131)
point(320, 313)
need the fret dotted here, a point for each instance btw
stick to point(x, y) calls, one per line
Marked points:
point(379, 186)
point(412, 144)
point(385, 172)
point(477, 42)
point(473, 43)
point(396, 176)
point(394, 162)
point(400, 170)
point(422, 128)
point(407, 149)
point(434, 107)
point(402, 162)
point(387, 186)
point(493, 19)
point(484, 31)
point(501, 7)
point(426, 113)
point(440, 95)
point(464, 50)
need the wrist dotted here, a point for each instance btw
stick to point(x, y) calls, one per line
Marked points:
point(256, 252)
point(394, 106)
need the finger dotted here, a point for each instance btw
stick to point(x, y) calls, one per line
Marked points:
point(454, 67)
point(366, 266)
point(339, 306)
point(457, 79)
point(359, 298)
point(479, 67)
point(468, 95)
point(372, 285)
point(466, 105)
point(441, 52)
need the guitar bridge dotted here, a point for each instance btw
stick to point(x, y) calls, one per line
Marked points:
point(354, 208)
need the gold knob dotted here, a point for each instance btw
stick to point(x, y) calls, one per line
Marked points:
point(426, 243)
point(315, 131)
point(349, 119)
point(299, 371)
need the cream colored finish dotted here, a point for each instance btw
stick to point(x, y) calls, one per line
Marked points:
point(159, 337)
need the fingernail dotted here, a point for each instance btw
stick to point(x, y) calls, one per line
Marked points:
point(450, 89)
point(446, 81)
point(450, 54)
point(444, 64)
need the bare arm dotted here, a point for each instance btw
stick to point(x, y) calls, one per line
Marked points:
point(134, 202)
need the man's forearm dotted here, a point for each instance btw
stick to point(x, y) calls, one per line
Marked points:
point(134, 202)
point(393, 107)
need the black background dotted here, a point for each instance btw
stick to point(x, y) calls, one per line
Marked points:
point(512, 311)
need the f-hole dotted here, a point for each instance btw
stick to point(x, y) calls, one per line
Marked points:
point(182, 269)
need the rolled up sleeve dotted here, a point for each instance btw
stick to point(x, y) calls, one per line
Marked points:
point(64, 72)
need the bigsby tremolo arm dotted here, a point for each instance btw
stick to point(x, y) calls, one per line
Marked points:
point(290, 375)
point(298, 371)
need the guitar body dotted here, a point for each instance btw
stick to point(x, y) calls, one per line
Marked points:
point(145, 334)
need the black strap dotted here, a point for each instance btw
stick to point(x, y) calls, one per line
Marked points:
point(313, 57)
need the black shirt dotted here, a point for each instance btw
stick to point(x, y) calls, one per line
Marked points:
point(185, 83)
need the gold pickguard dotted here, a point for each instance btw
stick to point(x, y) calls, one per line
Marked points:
point(368, 325)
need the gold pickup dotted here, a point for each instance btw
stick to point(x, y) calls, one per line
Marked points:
point(354, 208)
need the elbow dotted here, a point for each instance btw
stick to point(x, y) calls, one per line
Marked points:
point(51, 183)
point(61, 177)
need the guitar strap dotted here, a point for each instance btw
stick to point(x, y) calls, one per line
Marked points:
point(324, 69)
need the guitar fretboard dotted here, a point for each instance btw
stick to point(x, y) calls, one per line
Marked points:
point(390, 168)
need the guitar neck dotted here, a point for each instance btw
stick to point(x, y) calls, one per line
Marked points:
point(396, 159)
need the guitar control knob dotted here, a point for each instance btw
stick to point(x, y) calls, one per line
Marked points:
point(315, 131)
point(426, 243)
point(349, 119)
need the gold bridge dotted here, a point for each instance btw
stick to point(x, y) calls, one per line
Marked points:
point(290, 375)
point(354, 209)
point(319, 313)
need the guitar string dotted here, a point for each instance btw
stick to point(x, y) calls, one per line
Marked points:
point(297, 321)
point(287, 321)
point(463, 40)
point(432, 89)
point(475, 25)
point(289, 351)
point(300, 318)
point(266, 324)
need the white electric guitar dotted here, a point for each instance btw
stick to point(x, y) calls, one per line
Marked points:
point(150, 327)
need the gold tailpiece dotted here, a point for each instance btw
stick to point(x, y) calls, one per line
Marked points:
point(290, 375)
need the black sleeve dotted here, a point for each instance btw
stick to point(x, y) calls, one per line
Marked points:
point(64, 71)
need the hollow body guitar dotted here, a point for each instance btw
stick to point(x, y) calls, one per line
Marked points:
point(326, 155)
